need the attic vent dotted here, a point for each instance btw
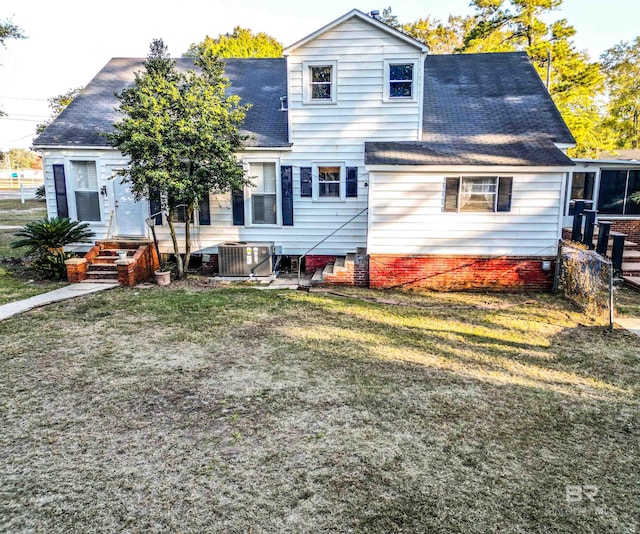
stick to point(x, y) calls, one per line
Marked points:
point(375, 14)
point(284, 105)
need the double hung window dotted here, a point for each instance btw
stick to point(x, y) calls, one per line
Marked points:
point(84, 177)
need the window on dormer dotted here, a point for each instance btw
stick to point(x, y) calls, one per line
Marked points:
point(401, 80)
point(319, 79)
point(320, 82)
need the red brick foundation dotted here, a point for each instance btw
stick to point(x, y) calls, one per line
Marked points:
point(452, 273)
point(316, 262)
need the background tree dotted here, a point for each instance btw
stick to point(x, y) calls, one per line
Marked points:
point(241, 43)
point(441, 38)
point(20, 158)
point(57, 105)
point(621, 64)
point(180, 131)
point(8, 30)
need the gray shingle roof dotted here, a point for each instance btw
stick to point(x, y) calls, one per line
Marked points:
point(260, 82)
point(481, 109)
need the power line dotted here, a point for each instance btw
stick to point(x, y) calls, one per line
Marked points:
point(23, 98)
point(20, 120)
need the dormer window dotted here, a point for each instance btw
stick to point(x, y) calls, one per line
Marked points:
point(400, 80)
point(320, 82)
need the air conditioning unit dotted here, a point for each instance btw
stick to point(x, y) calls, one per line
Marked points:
point(241, 258)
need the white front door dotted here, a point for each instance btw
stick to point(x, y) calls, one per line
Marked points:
point(129, 214)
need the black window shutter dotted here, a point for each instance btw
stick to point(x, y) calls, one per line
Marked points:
point(352, 181)
point(505, 185)
point(237, 207)
point(305, 182)
point(60, 185)
point(452, 186)
point(204, 214)
point(286, 183)
point(155, 204)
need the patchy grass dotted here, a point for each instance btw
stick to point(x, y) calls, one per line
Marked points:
point(627, 302)
point(238, 410)
point(16, 285)
point(14, 213)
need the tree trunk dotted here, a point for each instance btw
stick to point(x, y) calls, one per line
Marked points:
point(176, 248)
point(187, 237)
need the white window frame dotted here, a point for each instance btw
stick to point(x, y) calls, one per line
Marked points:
point(316, 181)
point(72, 188)
point(387, 80)
point(306, 82)
point(248, 203)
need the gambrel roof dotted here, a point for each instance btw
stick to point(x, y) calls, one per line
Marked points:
point(259, 82)
point(482, 109)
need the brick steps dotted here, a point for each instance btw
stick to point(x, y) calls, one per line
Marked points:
point(101, 263)
point(349, 270)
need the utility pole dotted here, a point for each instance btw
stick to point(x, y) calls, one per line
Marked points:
point(549, 70)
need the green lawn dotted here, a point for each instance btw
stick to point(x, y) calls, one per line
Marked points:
point(194, 409)
point(17, 285)
point(14, 213)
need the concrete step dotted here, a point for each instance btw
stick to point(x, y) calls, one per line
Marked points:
point(631, 266)
point(317, 277)
point(328, 269)
point(351, 258)
point(632, 281)
point(102, 275)
point(339, 264)
point(103, 267)
point(106, 259)
point(98, 281)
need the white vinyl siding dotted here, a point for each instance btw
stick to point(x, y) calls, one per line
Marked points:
point(407, 217)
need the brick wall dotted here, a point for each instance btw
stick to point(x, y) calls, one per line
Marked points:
point(460, 273)
point(631, 227)
point(316, 262)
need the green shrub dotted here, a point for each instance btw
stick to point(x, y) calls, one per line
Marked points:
point(48, 238)
point(40, 193)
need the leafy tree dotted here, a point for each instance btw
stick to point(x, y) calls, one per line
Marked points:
point(621, 64)
point(57, 105)
point(8, 30)
point(389, 18)
point(20, 158)
point(441, 38)
point(180, 131)
point(241, 43)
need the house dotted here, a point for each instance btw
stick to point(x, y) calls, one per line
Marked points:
point(609, 182)
point(372, 159)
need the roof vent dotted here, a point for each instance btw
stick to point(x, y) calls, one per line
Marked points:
point(375, 14)
point(284, 103)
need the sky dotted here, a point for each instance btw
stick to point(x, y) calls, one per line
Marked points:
point(69, 42)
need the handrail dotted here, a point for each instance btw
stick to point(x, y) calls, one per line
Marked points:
point(327, 237)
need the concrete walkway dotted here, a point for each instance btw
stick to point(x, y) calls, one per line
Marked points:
point(64, 293)
point(631, 324)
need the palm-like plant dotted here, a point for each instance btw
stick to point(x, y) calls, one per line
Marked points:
point(48, 238)
point(52, 235)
